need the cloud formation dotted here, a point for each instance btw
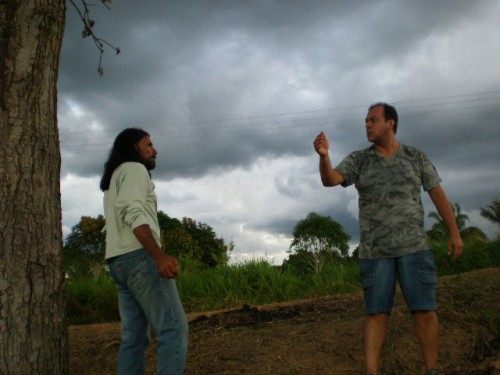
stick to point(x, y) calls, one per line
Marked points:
point(233, 94)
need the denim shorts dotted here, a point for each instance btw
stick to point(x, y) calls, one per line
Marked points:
point(417, 276)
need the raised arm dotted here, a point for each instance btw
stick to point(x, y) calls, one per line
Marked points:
point(329, 176)
point(455, 244)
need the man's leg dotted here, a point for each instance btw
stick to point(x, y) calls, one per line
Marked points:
point(161, 304)
point(418, 279)
point(134, 326)
point(134, 336)
point(374, 337)
point(426, 325)
point(378, 279)
point(170, 324)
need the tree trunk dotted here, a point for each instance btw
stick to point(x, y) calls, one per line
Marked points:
point(32, 303)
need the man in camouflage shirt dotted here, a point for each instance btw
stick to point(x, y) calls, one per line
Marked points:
point(389, 177)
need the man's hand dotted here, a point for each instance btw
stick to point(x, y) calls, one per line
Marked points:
point(455, 244)
point(329, 176)
point(167, 266)
point(321, 144)
point(455, 247)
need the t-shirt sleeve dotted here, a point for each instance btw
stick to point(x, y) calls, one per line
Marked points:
point(430, 176)
point(349, 169)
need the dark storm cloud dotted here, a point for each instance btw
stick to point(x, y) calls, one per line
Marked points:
point(184, 63)
point(223, 85)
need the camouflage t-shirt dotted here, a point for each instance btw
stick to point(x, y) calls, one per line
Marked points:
point(391, 215)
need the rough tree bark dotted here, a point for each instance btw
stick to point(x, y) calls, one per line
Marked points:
point(32, 305)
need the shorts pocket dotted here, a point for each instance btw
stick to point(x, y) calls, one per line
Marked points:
point(427, 278)
point(427, 270)
point(367, 273)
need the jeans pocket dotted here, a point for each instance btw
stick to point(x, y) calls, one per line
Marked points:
point(139, 276)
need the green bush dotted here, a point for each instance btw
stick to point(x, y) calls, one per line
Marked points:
point(92, 299)
point(476, 255)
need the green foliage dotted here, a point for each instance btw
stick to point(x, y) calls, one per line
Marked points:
point(317, 240)
point(92, 294)
point(84, 247)
point(476, 255)
point(213, 251)
point(258, 282)
point(228, 286)
point(91, 300)
point(304, 262)
point(94, 300)
point(194, 244)
point(492, 212)
point(87, 236)
point(439, 230)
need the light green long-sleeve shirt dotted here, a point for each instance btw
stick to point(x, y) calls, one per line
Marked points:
point(129, 202)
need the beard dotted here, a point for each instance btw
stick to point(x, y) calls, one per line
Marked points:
point(150, 163)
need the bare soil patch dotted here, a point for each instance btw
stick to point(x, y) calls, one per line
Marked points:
point(321, 336)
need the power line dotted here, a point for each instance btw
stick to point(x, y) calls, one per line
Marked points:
point(357, 107)
point(273, 122)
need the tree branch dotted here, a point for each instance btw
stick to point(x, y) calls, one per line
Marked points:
point(87, 31)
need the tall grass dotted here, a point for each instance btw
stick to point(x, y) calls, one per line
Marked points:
point(476, 255)
point(258, 282)
point(92, 298)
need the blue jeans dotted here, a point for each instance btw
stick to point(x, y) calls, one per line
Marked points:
point(417, 275)
point(146, 298)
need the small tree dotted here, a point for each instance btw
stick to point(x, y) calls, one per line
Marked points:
point(178, 243)
point(321, 237)
point(192, 242)
point(212, 250)
point(492, 212)
point(439, 230)
point(87, 236)
point(85, 246)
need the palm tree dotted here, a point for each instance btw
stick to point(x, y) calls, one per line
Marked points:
point(492, 212)
point(439, 230)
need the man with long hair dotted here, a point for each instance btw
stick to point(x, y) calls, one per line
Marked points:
point(143, 273)
point(393, 245)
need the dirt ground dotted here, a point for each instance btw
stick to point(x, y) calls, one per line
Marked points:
point(321, 336)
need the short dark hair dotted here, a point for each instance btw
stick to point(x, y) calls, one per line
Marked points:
point(123, 150)
point(390, 113)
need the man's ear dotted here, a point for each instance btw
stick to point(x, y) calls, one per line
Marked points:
point(391, 123)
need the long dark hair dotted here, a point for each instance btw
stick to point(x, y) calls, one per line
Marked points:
point(123, 150)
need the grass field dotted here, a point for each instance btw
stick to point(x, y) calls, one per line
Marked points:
point(92, 299)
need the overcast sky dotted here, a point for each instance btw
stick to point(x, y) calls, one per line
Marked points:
point(234, 92)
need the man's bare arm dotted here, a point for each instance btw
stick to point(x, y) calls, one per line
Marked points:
point(455, 244)
point(167, 265)
point(329, 176)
